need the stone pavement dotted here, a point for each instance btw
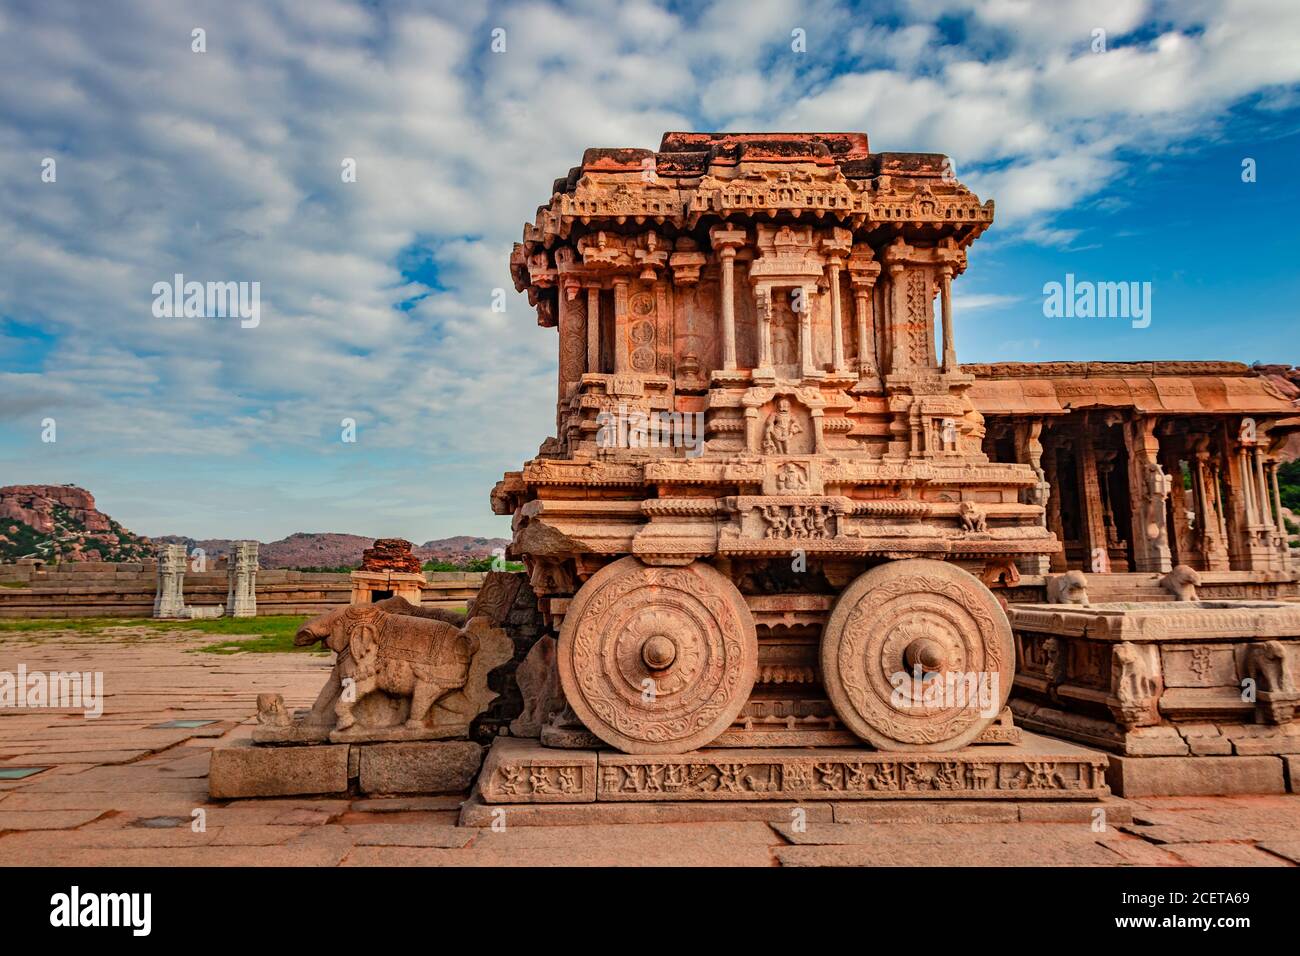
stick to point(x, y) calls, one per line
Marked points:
point(120, 791)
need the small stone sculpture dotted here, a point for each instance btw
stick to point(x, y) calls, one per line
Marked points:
point(1181, 582)
point(972, 516)
point(1068, 588)
point(1134, 686)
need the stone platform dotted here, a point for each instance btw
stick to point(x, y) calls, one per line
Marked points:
point(244, 769)
point(524, 772)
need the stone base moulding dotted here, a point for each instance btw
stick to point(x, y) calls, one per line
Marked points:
point(244, 769)
point(523, 771)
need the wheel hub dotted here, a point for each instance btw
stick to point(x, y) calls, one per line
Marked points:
point(658, 652)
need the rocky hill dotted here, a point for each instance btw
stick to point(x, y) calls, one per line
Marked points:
point(61, 523)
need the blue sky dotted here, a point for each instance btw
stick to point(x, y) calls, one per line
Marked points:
point(1119, 165)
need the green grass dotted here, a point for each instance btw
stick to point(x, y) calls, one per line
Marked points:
point(262, 635)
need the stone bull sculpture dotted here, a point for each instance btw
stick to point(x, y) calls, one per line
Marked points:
point(401, 673)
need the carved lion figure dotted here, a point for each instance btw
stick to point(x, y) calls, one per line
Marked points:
point(973, 518)
point(1068, 588)
point(404, 655)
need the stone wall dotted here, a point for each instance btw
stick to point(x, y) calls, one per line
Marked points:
point(97, 589)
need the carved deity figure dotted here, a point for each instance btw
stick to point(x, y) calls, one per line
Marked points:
point(781, 427)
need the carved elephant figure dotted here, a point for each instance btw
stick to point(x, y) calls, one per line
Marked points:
point(1068, 588)
point(1181, 582)
point(401, 654)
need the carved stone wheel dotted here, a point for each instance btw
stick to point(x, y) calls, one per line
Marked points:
point(914, 617)
point(657, 660)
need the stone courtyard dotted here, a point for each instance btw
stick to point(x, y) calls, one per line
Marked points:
point(122, 790)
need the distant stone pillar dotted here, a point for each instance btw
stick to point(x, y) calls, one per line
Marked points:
point(169, 599)
point(241, 580)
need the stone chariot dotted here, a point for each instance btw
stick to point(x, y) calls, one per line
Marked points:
point(766, 518)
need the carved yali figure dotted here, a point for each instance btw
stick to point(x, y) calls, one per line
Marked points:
point(917, 655)
point(432, 674)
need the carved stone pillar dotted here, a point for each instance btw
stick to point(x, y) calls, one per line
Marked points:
point(1148, 487)
point(593, 328)
point(1057, 561)
point(837, 327)
point(862, 274)
point(725, 242)
point(1277, 498)
point(806, 367)
point(1093, 531)
point(620, 325)
point(763, 304)
point(945, 294)
point(836, 245)
point(898, 319)
point(1212, 531)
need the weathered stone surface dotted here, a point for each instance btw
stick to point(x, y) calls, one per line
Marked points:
point(425, 767)
point(476, 813)
point(925, 811)
point(1178, 776)
point(244, 770)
